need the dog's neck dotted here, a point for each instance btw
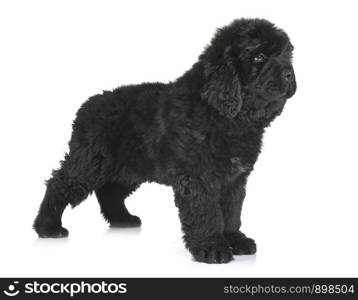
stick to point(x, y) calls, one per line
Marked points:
point(192, 79)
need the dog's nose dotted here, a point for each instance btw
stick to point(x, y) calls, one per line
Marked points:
point(288, 75)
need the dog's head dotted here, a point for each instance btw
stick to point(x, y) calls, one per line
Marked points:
point(248, 68)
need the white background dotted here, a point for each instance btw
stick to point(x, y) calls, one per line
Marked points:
point(302, 198)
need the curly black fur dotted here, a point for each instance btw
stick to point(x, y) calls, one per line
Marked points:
point(200, 134)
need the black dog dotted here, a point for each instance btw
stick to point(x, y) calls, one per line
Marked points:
point(200, 134)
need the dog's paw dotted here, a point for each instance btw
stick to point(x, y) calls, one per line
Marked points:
point(53, 233)
point(214, 255)
point(240, 244)
point(127, 222)
point(49, 228)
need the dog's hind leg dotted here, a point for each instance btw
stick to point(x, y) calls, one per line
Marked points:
point(60, 191)
point(111, 200)
point(70, 184)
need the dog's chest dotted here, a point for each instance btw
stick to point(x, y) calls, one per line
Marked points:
point(238, 146)
point(237, 168)
point(234, 151)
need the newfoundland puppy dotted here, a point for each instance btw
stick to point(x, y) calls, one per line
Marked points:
point(200, 134)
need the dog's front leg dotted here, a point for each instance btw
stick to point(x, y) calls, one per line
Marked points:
point(202, 220)
point(231, 202)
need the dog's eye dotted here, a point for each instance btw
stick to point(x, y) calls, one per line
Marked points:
point(259, 58)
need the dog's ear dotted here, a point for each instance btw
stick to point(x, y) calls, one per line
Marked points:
point(222, 89)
